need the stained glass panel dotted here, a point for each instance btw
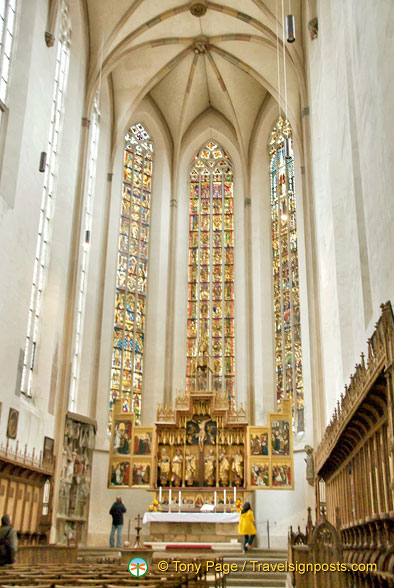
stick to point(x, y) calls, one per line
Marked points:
point(211, 267)
point(132, 273)
point(287, 327)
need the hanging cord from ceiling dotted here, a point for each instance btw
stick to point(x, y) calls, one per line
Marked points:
point(277, 54)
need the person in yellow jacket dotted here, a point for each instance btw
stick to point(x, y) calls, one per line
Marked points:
point(246, 526)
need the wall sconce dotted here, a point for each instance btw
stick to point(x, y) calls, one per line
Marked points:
point(87, 240)
point(43, 161)
point(290, 28)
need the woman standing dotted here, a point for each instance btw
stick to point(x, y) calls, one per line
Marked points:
point(246, 526)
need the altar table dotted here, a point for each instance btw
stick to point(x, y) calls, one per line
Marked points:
point(191, 517)
point(192, 526)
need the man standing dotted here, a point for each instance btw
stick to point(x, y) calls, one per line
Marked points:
point(8, 541)
point(117, 510)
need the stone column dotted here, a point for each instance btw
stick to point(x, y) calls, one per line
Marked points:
point(169, 340)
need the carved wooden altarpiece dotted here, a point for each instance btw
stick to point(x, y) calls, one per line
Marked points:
point(201, 452)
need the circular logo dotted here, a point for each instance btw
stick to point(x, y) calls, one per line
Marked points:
point(138, 567)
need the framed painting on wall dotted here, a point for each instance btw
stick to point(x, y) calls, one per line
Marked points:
point(12, 427)
point(47, 452)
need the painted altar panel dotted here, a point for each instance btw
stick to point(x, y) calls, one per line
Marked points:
point(258, 441)
point(282, 474)
point(132, 447)
point(202, 451)
point(270, 452)
point(259, 473)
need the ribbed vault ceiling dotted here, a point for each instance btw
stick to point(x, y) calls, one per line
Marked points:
point(225, 60)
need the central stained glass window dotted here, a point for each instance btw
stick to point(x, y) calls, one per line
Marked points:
point(211, 269)
point(132, 272)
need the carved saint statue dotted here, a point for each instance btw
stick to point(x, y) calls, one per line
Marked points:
point(209, 468)
point(310, 470)
point(224, 469)
point(177, 462)
point(200, 363)
point(164, 467)
point(190, 468)
point(238, 469)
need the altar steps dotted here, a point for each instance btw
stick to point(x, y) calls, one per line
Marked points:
point(256, 579)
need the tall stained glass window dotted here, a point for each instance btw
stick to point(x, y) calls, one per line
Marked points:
point(288, 353)
point(211, 269)
point(131, 278)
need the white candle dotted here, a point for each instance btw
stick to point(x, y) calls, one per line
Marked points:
point(224, 499)
point(180, 498)
point(215, 498)
point(160, 493)
point(235, 494)
point(169, 496)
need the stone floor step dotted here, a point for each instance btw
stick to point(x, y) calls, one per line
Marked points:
point(255, 556)
point(262, 575)
point(256, 553)
point(255, 583)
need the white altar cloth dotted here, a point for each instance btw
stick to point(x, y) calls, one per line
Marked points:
point(190, 517)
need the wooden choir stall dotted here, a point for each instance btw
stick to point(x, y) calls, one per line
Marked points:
point(354, 467)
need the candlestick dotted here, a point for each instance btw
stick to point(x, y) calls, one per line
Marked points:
point(169, 497)
point(224, 499)
point(160, 493)
point(235, 494)
point(215, 498)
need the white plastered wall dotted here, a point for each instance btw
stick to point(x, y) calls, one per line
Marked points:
point(351, 97)
point(27, 136)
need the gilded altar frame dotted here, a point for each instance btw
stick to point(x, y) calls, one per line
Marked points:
point(202, 452)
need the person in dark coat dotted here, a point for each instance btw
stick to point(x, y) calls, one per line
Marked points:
point(8, 541)
point(116, 511)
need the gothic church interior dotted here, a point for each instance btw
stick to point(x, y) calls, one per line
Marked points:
point(197, 240)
